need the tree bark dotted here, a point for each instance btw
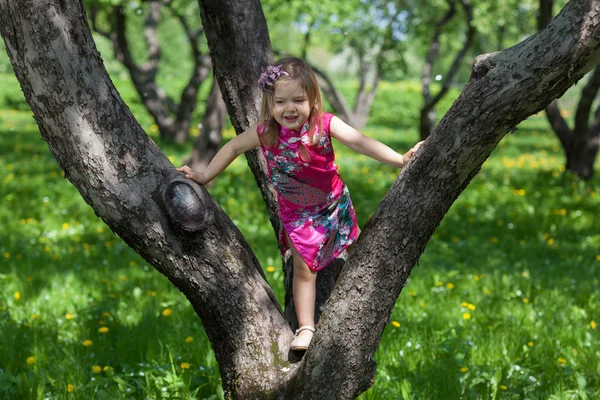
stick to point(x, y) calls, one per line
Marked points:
point(179, 229)
point(134, 188)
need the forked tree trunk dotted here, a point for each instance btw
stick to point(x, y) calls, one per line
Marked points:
point(132, 186)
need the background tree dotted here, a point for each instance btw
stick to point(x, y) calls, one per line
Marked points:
point(368, 33)
point(115, 22)
point(133, 187)
point(427, 119)
point(581, 143)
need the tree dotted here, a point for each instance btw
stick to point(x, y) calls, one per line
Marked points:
point(581, 143)
point(177, 227)
point(368, 31)
point(172, 118)
point(427, 118)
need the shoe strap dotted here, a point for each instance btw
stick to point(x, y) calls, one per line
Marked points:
point(305, 328)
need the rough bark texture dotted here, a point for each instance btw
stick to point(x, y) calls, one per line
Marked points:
point(504, 89)
point(427, 116)
point(180, 230)
point(581, 143)
point(123, 176)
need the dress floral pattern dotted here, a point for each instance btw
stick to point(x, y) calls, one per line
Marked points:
point(314, 203)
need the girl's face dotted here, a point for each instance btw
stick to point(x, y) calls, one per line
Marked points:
point(291, 107)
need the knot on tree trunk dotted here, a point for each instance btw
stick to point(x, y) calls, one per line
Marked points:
point(483, 64)
point(185, 205)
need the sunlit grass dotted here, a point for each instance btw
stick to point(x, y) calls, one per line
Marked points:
point(504, 303)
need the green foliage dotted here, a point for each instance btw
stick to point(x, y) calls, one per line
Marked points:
point(517, 252)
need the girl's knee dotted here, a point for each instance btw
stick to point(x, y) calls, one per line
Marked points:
point(301, 271)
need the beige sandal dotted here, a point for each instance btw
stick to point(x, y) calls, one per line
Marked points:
point(301, 343)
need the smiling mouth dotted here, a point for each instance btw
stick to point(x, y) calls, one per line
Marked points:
point(290, 118)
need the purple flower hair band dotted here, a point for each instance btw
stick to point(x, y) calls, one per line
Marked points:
point(266, 82)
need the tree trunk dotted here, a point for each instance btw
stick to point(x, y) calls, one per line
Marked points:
point(179, 228)
point(208, 141)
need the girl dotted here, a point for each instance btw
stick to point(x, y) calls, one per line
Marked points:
point(294, 135)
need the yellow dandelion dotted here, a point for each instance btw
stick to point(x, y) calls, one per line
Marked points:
point(598, 257)
point(466, 315)
point(103, 329)
point(464, 369)
point(525, 274)
point(106, 314)
point(412, 293)
point(17, 296)
point(476, 278)
point(503, 387)
point(70, 316)
point(34, 316)
point(185, 365)
point(487, 291)
point(106, 368)
point(270, 268)
point(593, 325)
point(561, 360)
point(96, 369)
point(439, 283)
point(396, 324)
point(464, 304)
point(132, 263)
point(152, 293)
point(70, 388)
point(189, 339)
point(550, 241)
point(530, 344)
point(87, 343)
point(123, 278)
point(450, 285)
point(7, 255)
point(471, 307)
point(166, 312)
point(422, 304)
point(65, 225)
point(525, 300)
point(30, 360)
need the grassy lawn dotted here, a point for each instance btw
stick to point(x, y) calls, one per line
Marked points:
point(504, 304)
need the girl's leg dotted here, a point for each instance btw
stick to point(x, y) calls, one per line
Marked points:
point(304, 290)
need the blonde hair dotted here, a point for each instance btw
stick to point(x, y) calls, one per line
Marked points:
point(298, 70)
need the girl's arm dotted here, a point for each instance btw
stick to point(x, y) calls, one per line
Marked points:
point(225, 156)
point(370, 147)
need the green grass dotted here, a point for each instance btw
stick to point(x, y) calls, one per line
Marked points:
point(504, 302)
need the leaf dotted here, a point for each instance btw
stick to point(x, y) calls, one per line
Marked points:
point(496, 378)
point(405, 390)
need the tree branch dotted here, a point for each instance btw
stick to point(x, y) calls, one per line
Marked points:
point(513, 85)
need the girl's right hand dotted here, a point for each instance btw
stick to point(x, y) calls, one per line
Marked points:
point(191, 174)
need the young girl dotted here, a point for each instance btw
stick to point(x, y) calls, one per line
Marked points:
point(294, 135)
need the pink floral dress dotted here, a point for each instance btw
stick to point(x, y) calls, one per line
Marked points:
point(314, 203)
